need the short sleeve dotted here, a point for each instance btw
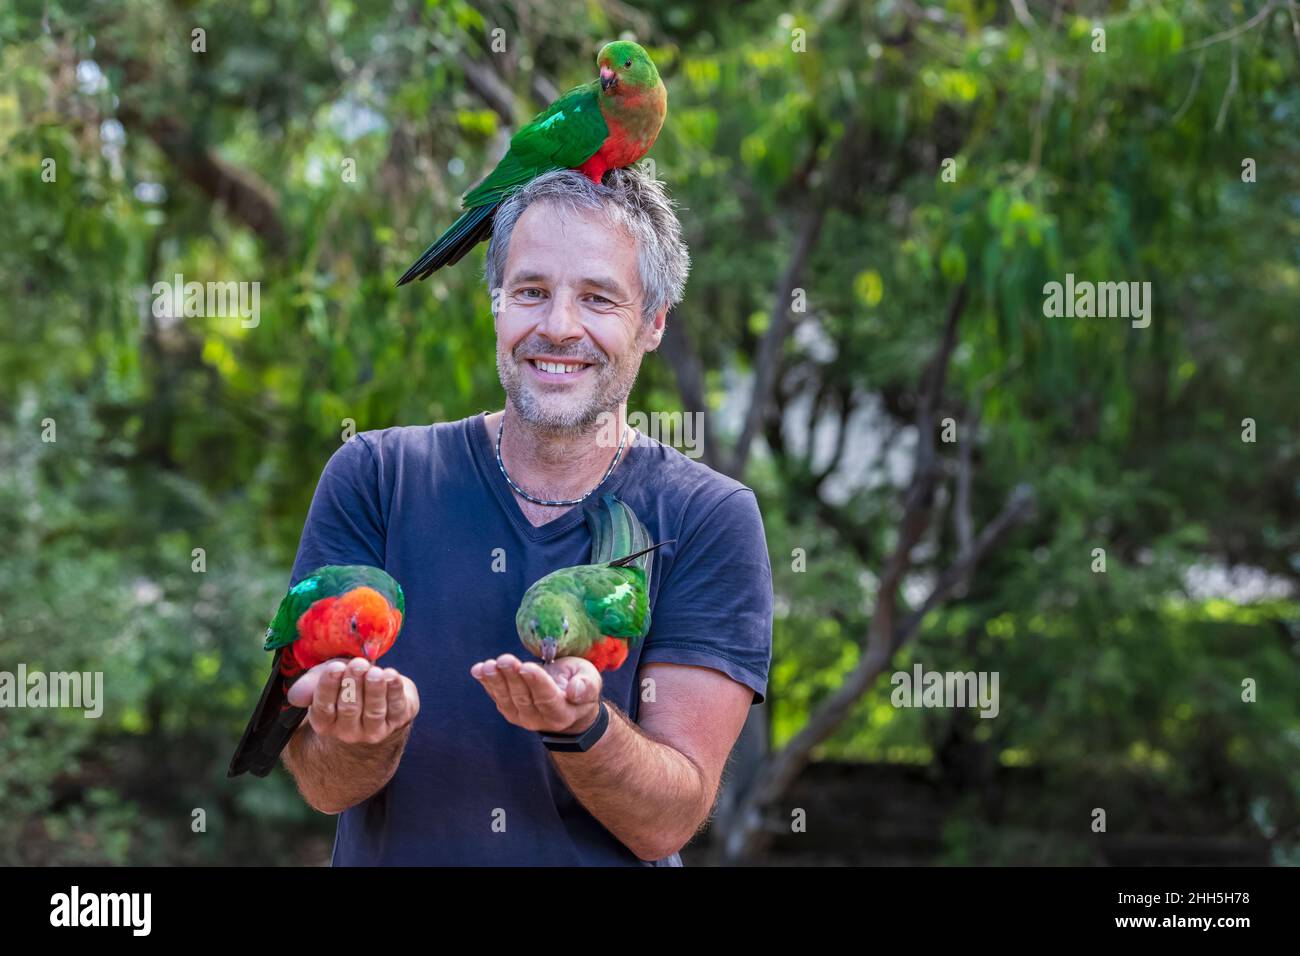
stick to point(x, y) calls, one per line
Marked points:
point(344, 524)
point(715, 607)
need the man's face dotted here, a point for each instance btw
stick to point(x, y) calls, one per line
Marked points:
point(571, 296)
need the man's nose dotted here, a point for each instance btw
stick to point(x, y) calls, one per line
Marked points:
point(563, 320)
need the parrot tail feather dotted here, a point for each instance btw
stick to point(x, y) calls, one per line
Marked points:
point(619, 539)
point(268, 732)
point(465, 233)
point(616, 531)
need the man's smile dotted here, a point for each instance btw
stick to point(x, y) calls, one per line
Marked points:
point(557, 370)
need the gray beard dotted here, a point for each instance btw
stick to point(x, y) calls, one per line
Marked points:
point(613, 384)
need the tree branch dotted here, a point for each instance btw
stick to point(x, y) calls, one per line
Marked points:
point(490, 88)
point(844, 400)
point(244, 194)
point(780, 325)
point(1235, 31)
point(679, 351)
point(749, 834)
point(962, 521)
point(884, 636)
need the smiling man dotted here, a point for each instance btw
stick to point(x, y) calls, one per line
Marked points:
point(457, 751)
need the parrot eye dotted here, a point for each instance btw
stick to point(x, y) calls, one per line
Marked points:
point(566, 625)
point(627, 64)
point(354, 623)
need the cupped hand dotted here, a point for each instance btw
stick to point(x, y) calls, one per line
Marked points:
point(561, 698)
point(356, 702)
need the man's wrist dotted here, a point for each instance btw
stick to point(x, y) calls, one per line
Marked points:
point(576, 729)
point(571, 741)
point(366, 751)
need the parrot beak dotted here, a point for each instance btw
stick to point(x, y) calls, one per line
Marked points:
point(549, 647)
point(370, 649)
point(608, 78)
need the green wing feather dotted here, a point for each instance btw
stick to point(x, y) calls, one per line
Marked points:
point(284, 626)
point(616, 533)
point(615, 598)
point(563, 136)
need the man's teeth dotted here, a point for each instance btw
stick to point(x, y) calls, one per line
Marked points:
point(557, 367)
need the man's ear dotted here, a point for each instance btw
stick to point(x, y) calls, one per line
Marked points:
point(654, 332)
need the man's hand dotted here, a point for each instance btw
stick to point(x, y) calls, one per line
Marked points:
point(357, 702)
point(563, 698)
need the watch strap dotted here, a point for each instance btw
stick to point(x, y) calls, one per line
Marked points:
point(578, 743)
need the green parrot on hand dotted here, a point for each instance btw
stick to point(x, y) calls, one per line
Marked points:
point(595, 611)
point(606, 124)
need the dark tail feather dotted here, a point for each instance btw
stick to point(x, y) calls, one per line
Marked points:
point(624, 562)
point(272, 724)
point(465, 233)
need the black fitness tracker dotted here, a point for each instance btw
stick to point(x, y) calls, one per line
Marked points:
point(578, 743)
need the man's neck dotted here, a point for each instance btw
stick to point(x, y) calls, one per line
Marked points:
point(554, 464)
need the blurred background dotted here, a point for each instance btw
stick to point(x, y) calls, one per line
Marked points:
point(875, 196)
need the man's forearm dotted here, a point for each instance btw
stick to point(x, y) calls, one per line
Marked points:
point(648, 794)
point(333, 776)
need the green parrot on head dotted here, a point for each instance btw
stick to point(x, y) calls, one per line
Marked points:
point(598, 610)
point(606, 124)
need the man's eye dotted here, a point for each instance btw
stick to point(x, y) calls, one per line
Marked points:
point(528, 293)
point(601, 300)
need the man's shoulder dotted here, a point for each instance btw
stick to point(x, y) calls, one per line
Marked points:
point(381, 455)
point(696, 486)
point(401, 441)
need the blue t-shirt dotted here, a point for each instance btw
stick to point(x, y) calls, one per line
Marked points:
point(429, 505)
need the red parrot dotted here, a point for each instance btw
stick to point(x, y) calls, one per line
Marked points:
point(336, 611)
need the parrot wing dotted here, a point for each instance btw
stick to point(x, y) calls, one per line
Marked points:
point(273, 722)
point(563, 136)
point(283, 628)
point(616, 599)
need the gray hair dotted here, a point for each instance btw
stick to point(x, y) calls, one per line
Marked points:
point(633, 201)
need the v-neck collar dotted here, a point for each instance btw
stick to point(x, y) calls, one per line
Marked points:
point(485, 454)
